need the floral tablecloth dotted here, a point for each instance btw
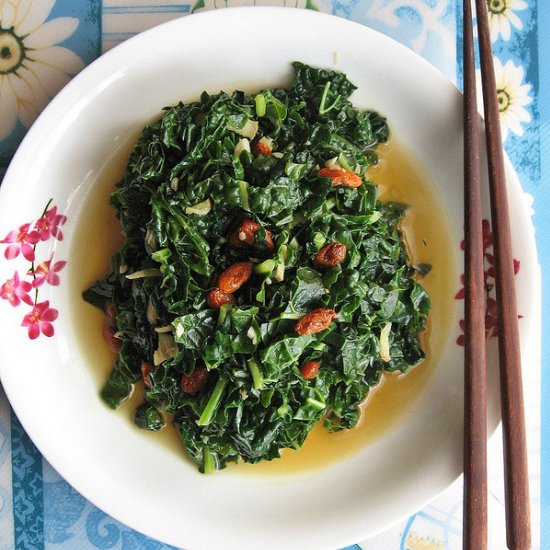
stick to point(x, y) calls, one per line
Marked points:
point(44, 43)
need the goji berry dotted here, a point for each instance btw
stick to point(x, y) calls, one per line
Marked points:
point(310, 369)
point(195, 381)
point(341, 177)
point(261, 148)
point(113, 343)
point(330, 255)
point(315, 321)
point(217, 298)
point(235, 276)
point(244, 235)
point(110, 313)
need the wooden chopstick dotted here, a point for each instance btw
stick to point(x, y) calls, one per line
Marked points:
point(475, 380)
point(518, 531)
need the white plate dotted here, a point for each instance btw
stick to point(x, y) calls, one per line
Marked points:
point(148, 486)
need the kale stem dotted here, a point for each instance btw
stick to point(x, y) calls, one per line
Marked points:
point(257, 378)
point(316, 404)
point(212, 406)
point(344, 162)
point(293, 315)
point(324, 99)
point(330, 203)
point(224, 310)
point(322, 109)
point(243, 187)
point(209, 462)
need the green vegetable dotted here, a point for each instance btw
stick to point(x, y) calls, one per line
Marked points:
point(192, 178)
point(148, 417)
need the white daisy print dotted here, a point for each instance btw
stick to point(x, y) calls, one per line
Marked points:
point(32, 67)
point(512, 95)
point(502, 16)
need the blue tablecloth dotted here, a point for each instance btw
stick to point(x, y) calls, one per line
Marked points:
point(38, 509)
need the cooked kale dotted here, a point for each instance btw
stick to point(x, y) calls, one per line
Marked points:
point(192, 179)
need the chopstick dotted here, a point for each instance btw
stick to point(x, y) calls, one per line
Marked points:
point(518, 534)
point(475, 380)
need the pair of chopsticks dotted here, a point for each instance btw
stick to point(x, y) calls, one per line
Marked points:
point(518, 535)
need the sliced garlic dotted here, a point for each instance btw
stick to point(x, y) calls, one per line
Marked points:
point(201, 208)
point(167, 349)
point(142, 273)
point(242, 145)
point(249, 130)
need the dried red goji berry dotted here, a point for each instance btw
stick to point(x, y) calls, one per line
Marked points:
point(113, 343)
point(315, 321)
point(235, 276)
point(341, 177)
point(216, 298)
point(310, 369)
point(269, 240)
point(261, 148)
point(244, 235)
point(330, 255)
point(195, 381)
point(110, 313)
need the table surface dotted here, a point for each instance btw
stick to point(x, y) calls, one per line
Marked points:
point(38, 509)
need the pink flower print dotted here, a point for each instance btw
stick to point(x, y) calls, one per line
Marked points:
point(487, 236)
point(14, 291)
point(462, 292)
point(491, 319)
point(461, 339)
point(39, 320)
point(48, 225)
point(21, 241)
point(46, 272)
point(491, 261)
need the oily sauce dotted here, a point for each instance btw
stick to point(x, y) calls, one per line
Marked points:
point(427, 236)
